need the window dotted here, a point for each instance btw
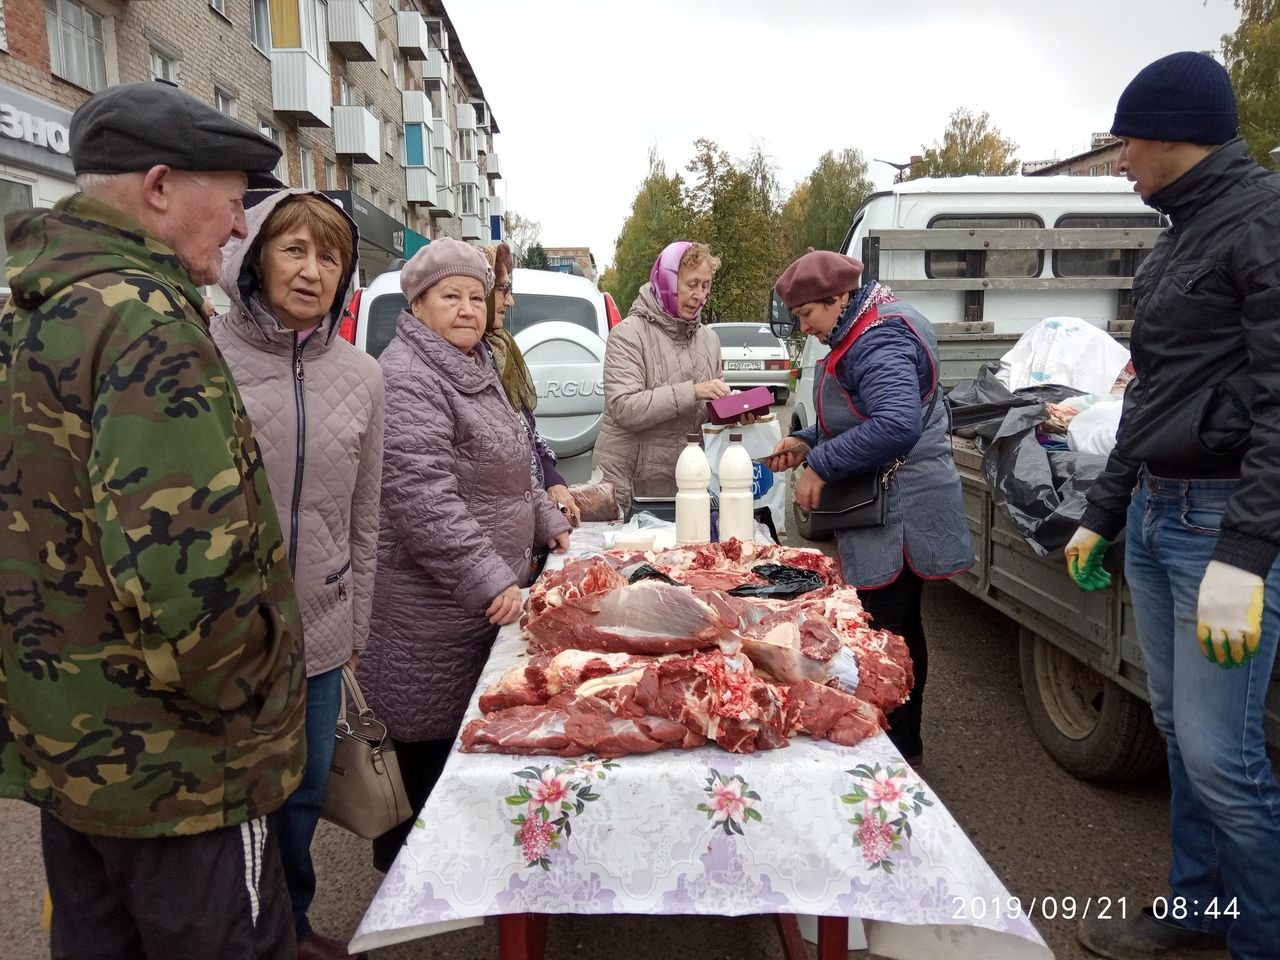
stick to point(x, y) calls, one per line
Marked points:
point(307, 163)
point(13, 196)
point(466, 145)
point(404, 215)
point(398, 68)
point(281, 172)
point(261, 29)
point(389, 137)
point(470, 199)
point(531, 308)
point(373, 196)
point(224, 102)
point(400, 151)
point(163, 66)
point(955, 264)
point(219, 5)
point(1102, 263)
point(344, 92)
point(77, 43)
point(356, 185)
point(330, 175)
point(4, 31)
point(314, 24)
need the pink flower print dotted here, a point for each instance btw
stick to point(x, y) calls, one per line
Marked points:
point(728, 803)
point(536, 835)
point(886, 793)
point(875, 836)
point(587, 768)
point(549, 792)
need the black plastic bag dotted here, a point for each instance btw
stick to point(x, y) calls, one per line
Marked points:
point(784, 582)
point(645, 571)
point(1042, 491)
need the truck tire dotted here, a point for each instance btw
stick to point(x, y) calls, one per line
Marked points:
point(1094, 728)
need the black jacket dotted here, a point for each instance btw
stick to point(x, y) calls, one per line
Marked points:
point(1206, 348)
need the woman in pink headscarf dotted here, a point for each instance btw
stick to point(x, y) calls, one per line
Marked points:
point(661, 366)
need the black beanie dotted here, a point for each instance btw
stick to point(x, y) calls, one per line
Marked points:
point(1184, 97)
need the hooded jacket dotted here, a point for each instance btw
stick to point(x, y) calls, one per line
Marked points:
point(316, 407)
point(152, 669)
point(460, 516)
point(652, 361)
point(1206, 349)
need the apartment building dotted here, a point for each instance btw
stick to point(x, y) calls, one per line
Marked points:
point(372, 101)
point(1099, 160)
point(568, 259)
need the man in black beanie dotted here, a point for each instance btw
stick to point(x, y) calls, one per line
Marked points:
point(1195, 481)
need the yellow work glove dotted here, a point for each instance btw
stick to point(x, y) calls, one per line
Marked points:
point(1084, 559)
point(1229, 618)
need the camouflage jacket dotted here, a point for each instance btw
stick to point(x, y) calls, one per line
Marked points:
point(151, 669)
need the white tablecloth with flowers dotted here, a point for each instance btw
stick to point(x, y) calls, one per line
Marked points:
point(814, 828)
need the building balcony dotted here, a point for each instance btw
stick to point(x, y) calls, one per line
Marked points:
point(471, 227)
point(412, 36)
point(466, 116)
point(420, 186)
point(351, 31)
point(300, 88)
point(497, 207)
point(416, 106)
point(356, 134)
point(436, 67)
point(492, 166)
point(446, 203)
point(443, 133)
point(469, 172)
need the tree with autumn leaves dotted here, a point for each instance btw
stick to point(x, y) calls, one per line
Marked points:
point(1252, 57)
point(736, 208)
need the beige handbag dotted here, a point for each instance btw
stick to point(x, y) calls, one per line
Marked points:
point(366, 793)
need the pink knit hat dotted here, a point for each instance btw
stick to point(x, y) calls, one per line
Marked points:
point(442, 258)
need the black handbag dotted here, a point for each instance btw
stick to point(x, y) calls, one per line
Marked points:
point(860, 501)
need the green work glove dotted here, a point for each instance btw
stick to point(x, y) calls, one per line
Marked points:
point(1084, 559)
point(1229, 614)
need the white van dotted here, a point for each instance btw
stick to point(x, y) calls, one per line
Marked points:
point(985, 258)
point(560, 324)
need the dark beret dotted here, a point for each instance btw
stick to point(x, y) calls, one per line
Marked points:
point(137, 126)
point(817, 275)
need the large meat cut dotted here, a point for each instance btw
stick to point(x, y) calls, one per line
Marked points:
point(618, 667)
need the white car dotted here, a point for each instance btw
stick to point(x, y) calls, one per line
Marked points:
point(560, 323)
point(752, 356)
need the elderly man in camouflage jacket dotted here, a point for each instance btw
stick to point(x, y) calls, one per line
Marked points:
point(151, 671)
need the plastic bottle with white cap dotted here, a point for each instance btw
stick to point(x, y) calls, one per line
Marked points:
point(693, 500)
point(737, 478)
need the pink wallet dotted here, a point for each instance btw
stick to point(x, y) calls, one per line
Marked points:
point(729, 409)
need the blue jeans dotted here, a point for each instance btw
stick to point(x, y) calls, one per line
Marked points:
point(1225, 803)
point(296, 821)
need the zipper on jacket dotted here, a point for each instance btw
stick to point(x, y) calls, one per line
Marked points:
point(300, 455)
point(339, 577)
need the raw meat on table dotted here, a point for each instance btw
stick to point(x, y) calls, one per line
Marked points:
point(648, 617)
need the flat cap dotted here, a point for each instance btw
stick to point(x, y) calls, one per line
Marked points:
point(817, 275)
point(137, 126)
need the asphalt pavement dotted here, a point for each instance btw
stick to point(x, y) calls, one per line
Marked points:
point(1044, 833)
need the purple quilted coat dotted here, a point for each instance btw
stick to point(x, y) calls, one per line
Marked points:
point(459, 519)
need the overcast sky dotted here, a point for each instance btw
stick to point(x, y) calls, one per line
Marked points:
point(581, 89)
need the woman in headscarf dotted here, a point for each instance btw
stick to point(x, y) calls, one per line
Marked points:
point(517, 382)
point(661, 366)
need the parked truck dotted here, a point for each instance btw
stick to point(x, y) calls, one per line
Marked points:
point(985, 258)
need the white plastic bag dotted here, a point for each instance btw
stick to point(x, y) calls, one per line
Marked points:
point(1093, 429)
point(1066, 351)
point(770, 490)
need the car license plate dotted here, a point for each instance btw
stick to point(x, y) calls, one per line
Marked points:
point(744, 364)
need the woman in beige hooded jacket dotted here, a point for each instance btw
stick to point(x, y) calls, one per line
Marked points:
point(661, 367)
point(316, 403)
